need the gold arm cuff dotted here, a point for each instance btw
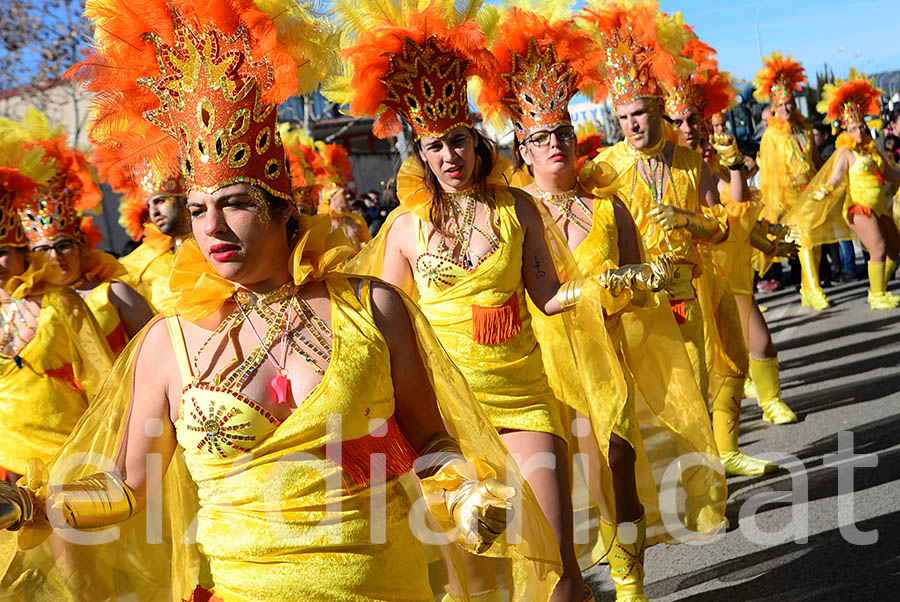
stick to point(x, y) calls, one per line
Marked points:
point(437, 453)
point(98, 500)
point(569, 293)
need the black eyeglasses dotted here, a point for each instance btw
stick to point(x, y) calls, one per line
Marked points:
point(63, 247)
point(564, 133)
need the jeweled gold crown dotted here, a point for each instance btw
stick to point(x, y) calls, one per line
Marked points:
point(629, 68)
point(684, 97)
point(779, 78)
point(539, 89)
point(152, 184)
point(51, 212)
point(850, 100)
point(706, 90)
point(11, 232)
point(210, 90)
point(427, 88)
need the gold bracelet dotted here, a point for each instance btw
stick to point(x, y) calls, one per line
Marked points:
point(446, 450)
point(569, 293)
point(98, 500)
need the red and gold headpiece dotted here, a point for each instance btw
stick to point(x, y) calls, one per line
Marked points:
point(332, 169)
point(850, 100)
point(137, 184)
point(302, 158)
point(409, 64)
point(779, 79)
point(22, 170)
point(541, 65)
point(57, 204)
point(641, 48)
point(706, 90)
point(207, 76)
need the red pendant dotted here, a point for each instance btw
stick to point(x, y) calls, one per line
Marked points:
point(280, 388)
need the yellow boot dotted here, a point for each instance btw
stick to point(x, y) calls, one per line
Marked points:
point(726, 418)
point(811, 294)
point(768, 386)
point(889, 266)
point(626, 561)
point(877, 297)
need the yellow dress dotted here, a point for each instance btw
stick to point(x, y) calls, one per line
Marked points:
point(866, 182)
point(320, 548)
point(102, 267)
point(682, 191)
point(505, 371)
point(63, 366)
point(149, 267)
point(786, 166)
point(638, 384)
point(248, 525)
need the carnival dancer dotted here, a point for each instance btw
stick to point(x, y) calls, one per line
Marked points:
point(159, 196)
point(542, 63)
point(294, 396)
point(54, 222)
point(788, 160)
point(691, 104)
point(463, 243)
point(53, 357)
point(333, 174)
point(850, 187)
point(303, 160)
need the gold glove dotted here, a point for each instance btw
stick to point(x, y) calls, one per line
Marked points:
point(16, 506)
point(654, 276)
point(819, 194)
point(671, 218)
point(778, 231)
point(471, 500)
point(98, 500)
point(784, 249)
point(729, 154)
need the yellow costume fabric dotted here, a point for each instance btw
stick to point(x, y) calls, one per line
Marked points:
point(353, 225)
point(149, 267)
point(630, 376)
point(823, 221)
point(507, 375)
point(786, 166)
point(733, 255)
point(866, 182)
point(319, 553)
point(686, 291)
point(63, 366)
point(107, 317)
point(230, 496)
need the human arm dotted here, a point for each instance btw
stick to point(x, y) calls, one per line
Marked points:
point(842, 163)
point(119, 490)
point(470, 497)
point(397, 267)
point(891, 171)
point(132, 308)
point(629, 244)
point(732, 158)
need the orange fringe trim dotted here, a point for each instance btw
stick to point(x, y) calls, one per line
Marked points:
point(678, 309)
point(390, 454)
point(859, 209)
point(67, 375)
point(493, 325)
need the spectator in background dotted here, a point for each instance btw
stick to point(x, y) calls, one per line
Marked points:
point(837, 258)
point(358, 207)
point(824, 140)
point(762, 124)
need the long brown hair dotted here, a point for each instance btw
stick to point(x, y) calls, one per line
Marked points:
point(441, 215)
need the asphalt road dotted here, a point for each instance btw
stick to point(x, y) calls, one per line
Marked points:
point(840, 372)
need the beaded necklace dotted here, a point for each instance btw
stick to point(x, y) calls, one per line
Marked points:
point(563, 203)
point(464, 217)
point(18, 314)
point(655, 172)
point(274, 308)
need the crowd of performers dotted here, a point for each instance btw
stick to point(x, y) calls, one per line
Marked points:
point(259, 403)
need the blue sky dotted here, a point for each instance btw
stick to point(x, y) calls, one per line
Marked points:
point(862, 34)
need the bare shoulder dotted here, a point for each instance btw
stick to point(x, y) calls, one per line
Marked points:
point(526, 210)
point(120, 290)
point(390, 313)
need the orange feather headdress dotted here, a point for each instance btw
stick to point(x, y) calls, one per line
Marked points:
point(137, 184)
point(706, 90)
point(541, 65)
point(56, 205)
point(303, 159)
point(201, 81)
point(779, 78)
point(850, 100)
point(641, 46)
point(410, 64)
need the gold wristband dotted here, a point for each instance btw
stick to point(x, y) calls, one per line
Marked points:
point(98, 500)
point(16, 506)
point(569, 293)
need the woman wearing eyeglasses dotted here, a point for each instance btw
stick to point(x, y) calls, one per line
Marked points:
point(54, 224)
point(53, 357)
point(543, 62)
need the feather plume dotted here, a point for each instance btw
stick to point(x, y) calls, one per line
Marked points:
point(777, 68)
point(858, 89)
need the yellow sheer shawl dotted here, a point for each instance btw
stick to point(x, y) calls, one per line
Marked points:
point(153, 555)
